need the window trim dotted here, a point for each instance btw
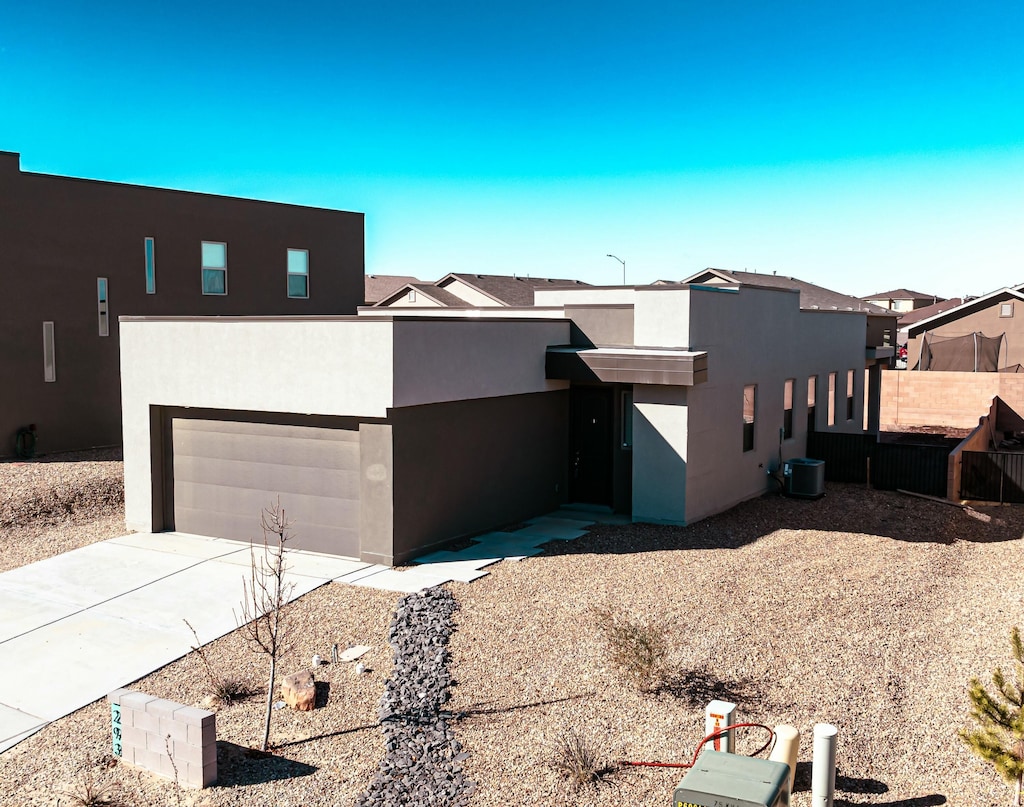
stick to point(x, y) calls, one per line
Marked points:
point(303, 274)
point(851, 383)
point(149, 250)
point(205, 269)
point(49, 354)
point(103, 306)
point(812, 401)
point(833, 392)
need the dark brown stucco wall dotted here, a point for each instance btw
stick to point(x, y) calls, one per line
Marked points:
point(58, 235)
point(466, 467)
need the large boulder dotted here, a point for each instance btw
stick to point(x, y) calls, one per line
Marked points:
point(299, 691)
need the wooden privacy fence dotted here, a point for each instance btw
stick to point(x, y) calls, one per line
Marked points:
point(894, 466)
point(992, 476)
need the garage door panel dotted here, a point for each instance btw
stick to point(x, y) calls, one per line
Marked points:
point(331, 540)
point(256, 476)
point(269, 448)
point(226, 473)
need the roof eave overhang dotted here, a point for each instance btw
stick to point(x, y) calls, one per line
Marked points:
point(627, 366)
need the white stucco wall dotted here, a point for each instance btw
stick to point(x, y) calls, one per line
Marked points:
point(454, 360)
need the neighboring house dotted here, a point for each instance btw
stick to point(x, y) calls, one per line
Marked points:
point(399, 430)
point(380, 286)
point(902, 300)
point(984, 334)
point(77, 254)
point(456, 290)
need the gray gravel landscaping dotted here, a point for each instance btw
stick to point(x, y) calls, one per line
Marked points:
point(866, 609)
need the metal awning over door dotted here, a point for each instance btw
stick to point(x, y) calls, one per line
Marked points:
point(226, 472)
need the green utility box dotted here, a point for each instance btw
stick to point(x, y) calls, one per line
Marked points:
point(719, 779)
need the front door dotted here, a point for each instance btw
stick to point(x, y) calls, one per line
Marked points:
point(590, 458)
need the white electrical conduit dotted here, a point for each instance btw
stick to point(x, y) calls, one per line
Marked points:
point(787, 748)
point(823, 767)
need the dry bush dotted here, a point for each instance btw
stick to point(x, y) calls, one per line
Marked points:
point(639, 650)
point(578, 762)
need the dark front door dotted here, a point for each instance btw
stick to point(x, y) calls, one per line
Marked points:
point(590, 458)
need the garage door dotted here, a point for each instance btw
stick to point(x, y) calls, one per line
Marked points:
point(225, 473)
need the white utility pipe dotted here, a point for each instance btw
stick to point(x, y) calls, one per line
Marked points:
point(787, 749)
point(823, 767)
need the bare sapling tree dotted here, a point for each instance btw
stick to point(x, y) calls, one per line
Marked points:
point(264, 596)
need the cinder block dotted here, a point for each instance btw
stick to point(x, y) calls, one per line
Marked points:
point(205, 732)
point(146, 722)
point(177, 730)
point(156, 743)
point(115, 696)
point(167, 768)
point(210, 774)
point(135, 700)
point(150, 760)
point(162, 708)
point(184, 752)
point(191, 715)
point(134, 737)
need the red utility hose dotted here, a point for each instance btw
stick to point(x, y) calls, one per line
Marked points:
point(712, 736)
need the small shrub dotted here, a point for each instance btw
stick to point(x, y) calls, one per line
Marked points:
point(639, 650)
point(223, 690)
point(578, 762)
point(88, 791)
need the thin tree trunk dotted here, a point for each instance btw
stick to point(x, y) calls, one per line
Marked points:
point(270, 703)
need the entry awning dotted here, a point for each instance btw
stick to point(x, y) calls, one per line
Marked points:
point(623, 365)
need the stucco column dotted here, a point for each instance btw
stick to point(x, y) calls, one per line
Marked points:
point(874, 397)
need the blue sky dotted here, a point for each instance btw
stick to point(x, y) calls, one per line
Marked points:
point(859, 146)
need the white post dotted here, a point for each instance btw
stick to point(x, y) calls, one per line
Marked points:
point(720, 715)
point(787, 749)
point(823, 767)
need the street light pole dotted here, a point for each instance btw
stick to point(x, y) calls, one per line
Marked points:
point(623, 266)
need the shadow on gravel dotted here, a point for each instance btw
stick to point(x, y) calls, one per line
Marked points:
point(697, 687)
point(327, 735)
point(238, 765)
point(844, 508)
point(918, 801)
point(478, 709)
point(854, 786)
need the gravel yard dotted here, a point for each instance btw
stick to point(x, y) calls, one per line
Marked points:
point(866, 609)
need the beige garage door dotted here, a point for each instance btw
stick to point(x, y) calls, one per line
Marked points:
point(226, 472)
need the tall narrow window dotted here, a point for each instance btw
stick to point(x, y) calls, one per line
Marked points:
point(101, 306)
point(787, 409)
point(298, 273)
point(215, 268)
point(832, 392)
point(49, 353)
point(627, 418)
point(849, 394)
point(150, 249)
point(812, 398)
point(749, 393)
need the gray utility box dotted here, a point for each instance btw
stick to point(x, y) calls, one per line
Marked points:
point(719, 779)
point(804, 477)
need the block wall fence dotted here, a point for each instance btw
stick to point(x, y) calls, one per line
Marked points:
point(954, 400)
point(167, 738)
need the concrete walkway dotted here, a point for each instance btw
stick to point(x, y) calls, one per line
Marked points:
point(79, 625)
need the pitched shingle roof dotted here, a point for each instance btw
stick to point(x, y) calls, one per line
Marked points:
point(377, 287)
point(510, 290)
point(900, 294)
point(811, 296)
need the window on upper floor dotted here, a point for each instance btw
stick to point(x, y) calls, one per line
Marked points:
point(215, 267)
point(1006, 309)
point(149, 247)
point(101, 306)
point(298, 273)
point(749, 407)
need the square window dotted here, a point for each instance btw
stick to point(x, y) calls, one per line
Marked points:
point(1006, 309)
point(215, 267)
point(298, 273)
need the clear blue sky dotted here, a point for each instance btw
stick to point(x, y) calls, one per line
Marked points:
point(862, 146)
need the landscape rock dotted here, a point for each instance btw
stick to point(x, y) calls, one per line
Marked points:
point(299, 691)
